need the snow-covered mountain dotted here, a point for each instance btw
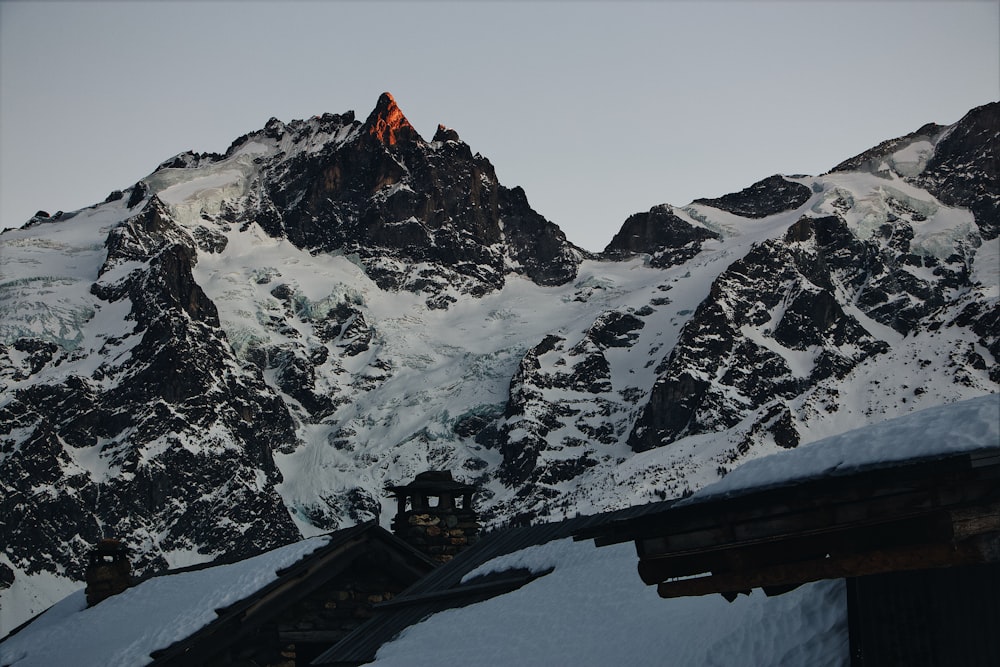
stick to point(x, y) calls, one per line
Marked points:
point(243, 349)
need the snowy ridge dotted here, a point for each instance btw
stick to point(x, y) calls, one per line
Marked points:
point(255, 343)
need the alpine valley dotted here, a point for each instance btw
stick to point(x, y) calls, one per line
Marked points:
point(244, 349)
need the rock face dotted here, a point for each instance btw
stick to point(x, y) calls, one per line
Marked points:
point(669, 239)
point(421, 216)
point(768, 197)
point(245, 348)
point(717, 375)
point(112, 448)
point(965, 168)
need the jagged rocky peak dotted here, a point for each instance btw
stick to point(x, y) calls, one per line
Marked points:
point(446, 134)
point(965, 167)
point(398, 202)
point(388, 124)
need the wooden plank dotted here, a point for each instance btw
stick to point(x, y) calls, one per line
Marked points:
point(327, 563)
point(402, 567)
point(774, 521)
point(897, 559)
point(796, 547)
point(330, 637)
point(947, 481)
point(970, 521)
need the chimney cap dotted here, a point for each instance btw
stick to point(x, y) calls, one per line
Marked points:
point(432, 481)
point(110, 544)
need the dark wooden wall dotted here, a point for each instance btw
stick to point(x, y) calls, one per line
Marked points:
point(326, 615)
point(928, 618)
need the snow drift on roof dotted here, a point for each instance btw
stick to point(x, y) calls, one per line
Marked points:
point(125, 629)
point(965, 426)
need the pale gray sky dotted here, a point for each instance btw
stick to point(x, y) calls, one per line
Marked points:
point(598, 109)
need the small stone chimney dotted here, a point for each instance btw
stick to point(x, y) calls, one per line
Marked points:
point(436, 514)
point(109, 571)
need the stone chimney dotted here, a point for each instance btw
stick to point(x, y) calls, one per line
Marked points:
point(435, 514)
point(109, 571)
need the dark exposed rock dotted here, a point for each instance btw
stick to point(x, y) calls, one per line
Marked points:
point(873, 270)
point(536, 244)
point(179, 384)
point(777, 423)
point(984, 320)
point(296, 377)
point(476, 422)
point(660, 233)
point(209, 240)
point(772, 195)
point(669, 410)
point(965, 168)
point(581, 408)
point(615, 329)
point(685, 401)
point(445, 134)
point(138, 193)
point(388, 195)
point(6, 577)
point(40, 352)
point(387, 123)
point(810, 318)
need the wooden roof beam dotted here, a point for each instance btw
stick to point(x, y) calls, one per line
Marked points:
point(982, 549)
point(928, 529)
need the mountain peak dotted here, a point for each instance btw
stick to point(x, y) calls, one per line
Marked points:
point(387, 122)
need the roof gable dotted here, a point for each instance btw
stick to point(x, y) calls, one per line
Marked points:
point(451, 586)
point(181, 618)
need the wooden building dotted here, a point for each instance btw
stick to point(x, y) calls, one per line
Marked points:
point(918, 542)
point(281, 608)
point(448, 588)
point(311, 605)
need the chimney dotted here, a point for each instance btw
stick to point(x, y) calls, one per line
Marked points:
point(435, 514)
point(109, 571)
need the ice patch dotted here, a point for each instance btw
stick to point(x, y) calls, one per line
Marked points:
point(198, 187)
point(911, 160)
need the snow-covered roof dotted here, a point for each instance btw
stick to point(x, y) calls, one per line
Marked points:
point(127, 628)
point(167, 619)
point(966, 426)
point(592, 609)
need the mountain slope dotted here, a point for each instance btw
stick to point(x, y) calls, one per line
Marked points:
point(245, 348)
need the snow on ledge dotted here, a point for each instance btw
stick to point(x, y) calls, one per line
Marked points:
point(536, 559)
